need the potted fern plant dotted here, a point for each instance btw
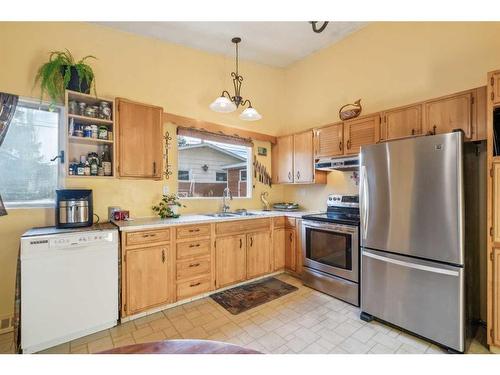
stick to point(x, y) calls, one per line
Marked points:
point(62, 72)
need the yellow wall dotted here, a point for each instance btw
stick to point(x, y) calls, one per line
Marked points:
point(384, 64)
point(181, 80)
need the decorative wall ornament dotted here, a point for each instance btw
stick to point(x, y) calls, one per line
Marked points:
point(350, 111)
point(168, 167)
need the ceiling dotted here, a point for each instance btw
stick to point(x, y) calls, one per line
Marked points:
point(277, 44)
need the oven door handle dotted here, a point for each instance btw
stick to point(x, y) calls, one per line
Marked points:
point(332, 227)
point(364, 202)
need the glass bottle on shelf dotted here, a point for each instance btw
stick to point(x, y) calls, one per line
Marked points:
point(106, 161)
point(87, 168)
point(93, 164)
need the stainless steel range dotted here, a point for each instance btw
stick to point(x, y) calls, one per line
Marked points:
point(330, 245)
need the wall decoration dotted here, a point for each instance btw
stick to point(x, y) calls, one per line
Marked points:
point(350, 111)
point(168, 167)
point(262, 151)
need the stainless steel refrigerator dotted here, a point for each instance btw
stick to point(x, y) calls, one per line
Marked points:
point(419, 235)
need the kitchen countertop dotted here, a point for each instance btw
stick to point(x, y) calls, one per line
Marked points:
point(44, 231)
point(155, 222)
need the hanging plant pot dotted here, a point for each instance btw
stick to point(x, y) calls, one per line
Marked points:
point(74, 81)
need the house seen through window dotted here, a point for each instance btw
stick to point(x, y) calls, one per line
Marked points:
point(206, 167)
point(28, 177)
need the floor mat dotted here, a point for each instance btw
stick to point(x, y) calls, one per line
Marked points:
point(246, 297)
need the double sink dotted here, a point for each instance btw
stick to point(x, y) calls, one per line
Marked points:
point(232, 214)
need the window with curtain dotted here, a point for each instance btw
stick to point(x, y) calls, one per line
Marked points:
point(29, 178)
point(211, 163)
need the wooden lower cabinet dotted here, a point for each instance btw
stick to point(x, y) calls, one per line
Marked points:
point(279, 249)
point(495, 337)
point(290, 250)
point(147, 275)
point(298, 247)
point(230, 255)
point(258, 254)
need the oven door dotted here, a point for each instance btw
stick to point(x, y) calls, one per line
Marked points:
point(331, 248)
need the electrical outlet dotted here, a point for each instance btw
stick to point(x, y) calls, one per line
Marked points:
point(6, 323)
point(165, 189)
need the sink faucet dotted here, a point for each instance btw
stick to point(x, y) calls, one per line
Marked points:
point(226, 194)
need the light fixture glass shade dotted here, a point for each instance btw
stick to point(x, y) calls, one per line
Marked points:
point(250, 114)
point(223, 105)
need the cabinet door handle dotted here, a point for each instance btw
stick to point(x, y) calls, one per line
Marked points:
point(340, 146)
point(412, 131)
point(298, 175)
point(154, 168)
point(194, 230)
point(348, 144)
point(241, 243)
point(194, 265)
point(291, 237)
point(251, 241)
point(197, 245)
point(163, 255)
point(289, 176)
point(195, 284)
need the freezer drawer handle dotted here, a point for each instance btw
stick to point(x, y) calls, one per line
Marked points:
point(411, 265)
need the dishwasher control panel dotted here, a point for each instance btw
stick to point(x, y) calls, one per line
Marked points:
point(81, 239)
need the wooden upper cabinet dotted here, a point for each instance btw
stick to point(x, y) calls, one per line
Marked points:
point(495, 84)
point(449, 113)
point(359, 132)
point(328, 141)
point(401, 122)
point(284, 171)
point(275, 165)
point(230, 255)
point(140, 140)
point(258, 254)
point(303, 160)
point(147, 274)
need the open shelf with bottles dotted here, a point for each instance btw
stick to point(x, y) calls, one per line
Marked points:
point(90, 129)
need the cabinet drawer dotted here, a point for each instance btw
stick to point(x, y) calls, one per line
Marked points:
point(191, 288)
point(186, 250)
point(284, 221)
point(190, 231)
point(279, 222)
point(144, 237)
point(193, 268)
point(242, 226)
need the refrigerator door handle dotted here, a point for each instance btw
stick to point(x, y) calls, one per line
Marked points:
point(364, 201)
point(411, 265)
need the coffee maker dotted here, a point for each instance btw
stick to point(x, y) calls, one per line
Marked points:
point(74, 208)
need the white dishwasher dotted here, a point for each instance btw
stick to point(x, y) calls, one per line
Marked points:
point(69, 286)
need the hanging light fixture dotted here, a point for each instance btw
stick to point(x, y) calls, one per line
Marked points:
point(319, 29)
point(227, 103)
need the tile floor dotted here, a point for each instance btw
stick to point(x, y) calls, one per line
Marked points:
point(305, 321)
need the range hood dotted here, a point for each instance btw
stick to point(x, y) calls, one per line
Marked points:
point(345, 164)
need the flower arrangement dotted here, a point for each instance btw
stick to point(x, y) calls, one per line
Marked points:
point(168, 206)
